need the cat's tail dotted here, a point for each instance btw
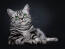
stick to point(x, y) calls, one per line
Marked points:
point(51, 39)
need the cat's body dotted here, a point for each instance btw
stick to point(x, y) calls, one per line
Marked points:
point(22, 29)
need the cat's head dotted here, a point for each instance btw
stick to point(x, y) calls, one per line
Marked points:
point(20, 13)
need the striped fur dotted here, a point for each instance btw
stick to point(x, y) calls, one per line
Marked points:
point(22, 30)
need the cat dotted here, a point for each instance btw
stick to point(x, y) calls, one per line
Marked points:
point(21, 28)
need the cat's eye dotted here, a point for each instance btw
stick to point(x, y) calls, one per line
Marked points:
point(16, 16)
point(25, 14)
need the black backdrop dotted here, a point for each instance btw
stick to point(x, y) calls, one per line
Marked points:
point(48, 15)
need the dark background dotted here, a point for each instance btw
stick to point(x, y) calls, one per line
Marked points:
point(48, 15)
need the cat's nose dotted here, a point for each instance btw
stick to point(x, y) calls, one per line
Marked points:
point(20, 16)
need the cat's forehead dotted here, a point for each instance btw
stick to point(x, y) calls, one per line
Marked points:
point(19, 11)
point(22, 11)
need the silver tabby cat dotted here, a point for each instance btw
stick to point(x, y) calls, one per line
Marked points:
point(21, 28)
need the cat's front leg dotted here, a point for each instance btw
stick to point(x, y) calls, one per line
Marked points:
point(35, 41)
point(29, 41)
point(19, 41)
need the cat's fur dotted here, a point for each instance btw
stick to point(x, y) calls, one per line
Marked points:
point(22, 30)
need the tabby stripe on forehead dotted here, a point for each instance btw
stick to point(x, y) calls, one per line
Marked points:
point(19, 12)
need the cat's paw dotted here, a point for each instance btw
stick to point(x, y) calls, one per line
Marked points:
point(43, 41)
point(29, 41)
point(36, 40)
point(18, 41)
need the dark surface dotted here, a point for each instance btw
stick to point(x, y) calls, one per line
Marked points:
point(47, 15)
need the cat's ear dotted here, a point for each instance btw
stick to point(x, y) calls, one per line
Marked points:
point(26, 8)
point(10, 12)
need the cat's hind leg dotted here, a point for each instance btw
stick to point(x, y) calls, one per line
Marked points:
point(43, 37)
